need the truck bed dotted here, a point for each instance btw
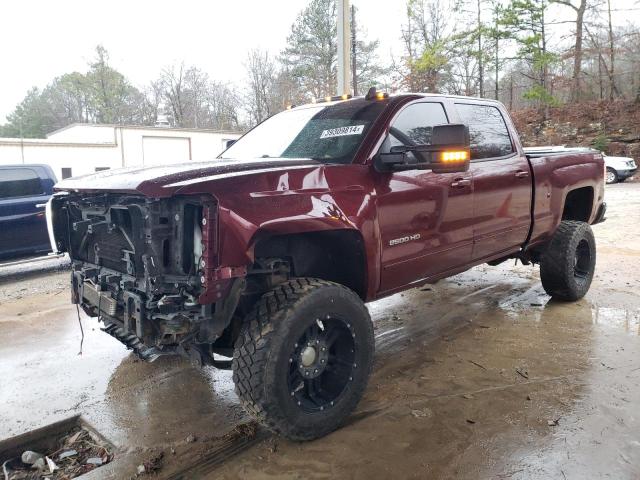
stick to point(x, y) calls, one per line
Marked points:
point(560, 172)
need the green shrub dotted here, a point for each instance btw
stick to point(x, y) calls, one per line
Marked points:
point(601, 142)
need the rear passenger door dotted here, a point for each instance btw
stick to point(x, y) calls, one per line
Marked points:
point(23, 225)
point(502, 182)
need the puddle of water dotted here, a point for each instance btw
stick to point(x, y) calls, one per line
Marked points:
point(627, 320)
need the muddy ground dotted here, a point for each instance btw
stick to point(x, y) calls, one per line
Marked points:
point(478, 376)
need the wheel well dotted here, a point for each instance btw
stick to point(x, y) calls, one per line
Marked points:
point(578, 204)
point(336, 255)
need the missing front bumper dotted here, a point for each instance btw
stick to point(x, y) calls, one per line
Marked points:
point(102, 301)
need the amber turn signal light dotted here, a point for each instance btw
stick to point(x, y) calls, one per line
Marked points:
point(454, 156)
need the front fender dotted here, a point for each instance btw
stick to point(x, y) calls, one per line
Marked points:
point(239, 234)
point(254, 207)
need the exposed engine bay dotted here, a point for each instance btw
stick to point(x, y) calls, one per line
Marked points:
point(141, 265)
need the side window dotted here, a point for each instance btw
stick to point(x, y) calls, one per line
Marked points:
point(66, 172)
point(414, 124)
point(488, 131)
point(19, 182)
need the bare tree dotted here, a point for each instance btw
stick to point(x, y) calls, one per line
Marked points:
point(172, 84)
point(261, 72)
point(426, 38)
point(580, 10)
point(612, 56)
point(196, 92)
point(224, 107)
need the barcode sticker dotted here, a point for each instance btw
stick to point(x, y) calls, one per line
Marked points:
point(342, 131)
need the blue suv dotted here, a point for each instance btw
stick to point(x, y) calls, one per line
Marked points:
point(24, 191)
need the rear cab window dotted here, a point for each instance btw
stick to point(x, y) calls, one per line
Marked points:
point(487, 129)
point(19, 182)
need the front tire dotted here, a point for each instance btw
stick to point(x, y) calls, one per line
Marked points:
point(303, 357)
point(568, 264)
point(611, 176)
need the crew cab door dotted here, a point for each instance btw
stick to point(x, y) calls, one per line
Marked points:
point(502, 182)
point(425, 218)
point(23, 226)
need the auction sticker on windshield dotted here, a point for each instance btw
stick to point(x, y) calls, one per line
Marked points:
point(342, 131)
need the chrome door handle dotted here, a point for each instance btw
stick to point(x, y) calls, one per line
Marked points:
point(41, 205)
point(522, 174)
point(463, 182)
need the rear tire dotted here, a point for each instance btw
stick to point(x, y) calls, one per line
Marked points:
point(303, 357)
point(568, 263)
point(611, 176)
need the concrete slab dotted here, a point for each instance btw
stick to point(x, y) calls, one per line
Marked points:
point(479, 376)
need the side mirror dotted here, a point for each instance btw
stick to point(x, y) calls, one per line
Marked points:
point(451, 143)
point(448, 152)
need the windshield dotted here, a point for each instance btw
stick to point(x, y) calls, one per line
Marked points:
point(328, 133)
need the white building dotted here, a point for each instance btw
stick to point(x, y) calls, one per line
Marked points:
point(79, 149)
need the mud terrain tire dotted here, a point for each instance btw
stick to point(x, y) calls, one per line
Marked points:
point(568, 263)
point(285, 338)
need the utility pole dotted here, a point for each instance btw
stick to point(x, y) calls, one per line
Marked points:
point(21, 141)
point(480, 52)
point(344, 48)
point(354, 44)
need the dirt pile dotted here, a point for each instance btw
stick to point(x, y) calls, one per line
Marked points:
point(613, 127)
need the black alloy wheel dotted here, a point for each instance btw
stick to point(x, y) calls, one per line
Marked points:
point(303, 357)
point(568, 263)
point(322, 364)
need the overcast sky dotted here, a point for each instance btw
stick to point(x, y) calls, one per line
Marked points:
point(42, 39)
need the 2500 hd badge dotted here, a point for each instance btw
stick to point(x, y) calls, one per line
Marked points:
point(408, 238)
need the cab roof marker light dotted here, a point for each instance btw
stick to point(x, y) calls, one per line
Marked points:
point(373, 94)
point(335, 98)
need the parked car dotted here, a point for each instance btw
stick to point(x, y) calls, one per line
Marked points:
point(24, 192)
point(619, 168)
point(269, 254)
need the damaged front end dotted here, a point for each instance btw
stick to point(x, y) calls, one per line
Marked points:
point(148, 268)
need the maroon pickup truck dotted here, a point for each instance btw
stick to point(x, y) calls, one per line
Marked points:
point(262, 261)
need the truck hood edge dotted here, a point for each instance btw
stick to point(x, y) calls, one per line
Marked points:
point(168, 178)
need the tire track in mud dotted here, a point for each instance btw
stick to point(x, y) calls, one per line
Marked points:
point(442, 314)
point(244, 437)
point(239, 440)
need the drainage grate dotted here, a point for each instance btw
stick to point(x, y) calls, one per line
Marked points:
point(62, 450)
